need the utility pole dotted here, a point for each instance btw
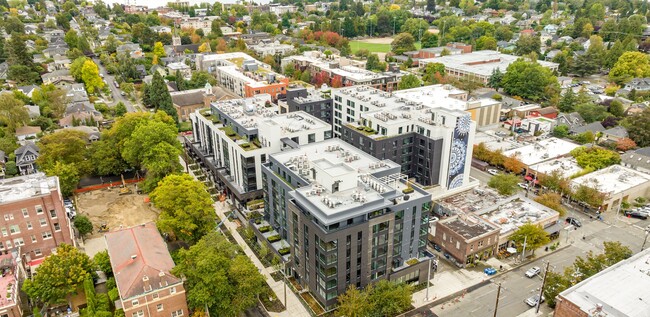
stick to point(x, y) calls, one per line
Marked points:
point(429, 280)
point(541, 290)
point(496, 306)
point(284, 274)
point(647, 231)
point(523, 252)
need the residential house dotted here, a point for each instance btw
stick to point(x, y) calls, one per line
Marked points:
point(134, 50)
point(142, 71)
point(33, 111)
point(572, 120)
point(614, 134)
point(142, 267)
point(638, 84)
point(593, 127)
point(58, 77)
point(161, 29)
point(27, 133)
point(184, 70)
point(61, 62)
point(272, 49)
point(28, 90)
point(638, 160)
point(92, 133)
point(188, 101)
point(52, 51)
point(551, 28)
point(549, 112)
point(26, 156)
point(80, 113)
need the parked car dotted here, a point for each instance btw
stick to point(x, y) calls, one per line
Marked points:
point(533, 271)
point(122, 93)
point(67, 203)
point(437, 247)
point(574, 221)
point(523, 185)
point(116, 84)
point(492, 171)
point(70, 212)
point(636, 214)
point(532, 301)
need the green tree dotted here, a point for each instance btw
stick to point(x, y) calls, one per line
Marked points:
point(305, 76)
point(353, 303)
point(553, 201)
point(103, 262)
point(83, 224)
point(555, 181)
point(289, 70)
point(120, 109)
point(12, 112)
point(589, 194)
point(534, 235)
point(186, 207)
point(372, 63)
point(90, 76)
point(76, 67)
point(11, 169)
point(495, 79)
point(409, 81)
point(14, 25)
point(389, 298)
point(17, 53)
point(59, 276)
point(67, 147)
point(68, 176)
point(430, 72)
point(486, 42)
point(527, 44)
point(568, 101)
point(630, 65)
point(528, 79)
point(616, 108)
point(429, 40)
point(505, 184)
point(591, 112)
point(71, 38)
point(159, 97)
point(561, 131)
point(218, 276)
point(594, 157)
point(106, 158)
point(638, 127)
point(416, 27)
point(403, 42)
point(159, 50)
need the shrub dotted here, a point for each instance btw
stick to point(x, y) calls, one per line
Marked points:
point(284, 251)
point(408, 190)
point(265, 229)
point(412, 262)
point(274, 238)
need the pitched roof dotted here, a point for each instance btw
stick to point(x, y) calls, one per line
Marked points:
point(27, 130)
point(139, 258)
point(593, 127)
point(195, 96)
point(617, 131)
point(20, 152)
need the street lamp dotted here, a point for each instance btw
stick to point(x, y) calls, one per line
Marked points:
point(647, 232)
point(394, 23)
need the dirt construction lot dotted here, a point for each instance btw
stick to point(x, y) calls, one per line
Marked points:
point(107, 206)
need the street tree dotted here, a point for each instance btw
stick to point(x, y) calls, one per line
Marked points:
point(12, 112)
point(534, 235)
point(69, 176)
point(555, 181)
point(83, 224)
point(353, 303)
point(90, 76)
point(389, 298)
point(432, 73)
point(553, 201)
point(495, 79)
point(589, 194)
point(630, 65)
point(59, 276)
point(218, 276)
point(528, 79)
point(403, 42)
point(505, 184)
point(186, 207)
point(513, 164)
point(409, 81)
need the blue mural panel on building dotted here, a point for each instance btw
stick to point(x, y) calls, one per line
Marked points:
point(457, 157)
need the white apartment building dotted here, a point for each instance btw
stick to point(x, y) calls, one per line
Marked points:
point(234, 137)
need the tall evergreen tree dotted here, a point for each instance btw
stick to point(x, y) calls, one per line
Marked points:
point(159, 96)
point(17, 53)
point(180, 81)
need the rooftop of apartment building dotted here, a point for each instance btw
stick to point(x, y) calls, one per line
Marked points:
point(515, 212)
point(342, 180)
point(22, 187)
point(313, 95)
point(613, 179)
point(542, 151)
point(471, 200)
point(619, 290)
point(334, 66)
point(244, 67)
point(468, 226)
point(482, 62)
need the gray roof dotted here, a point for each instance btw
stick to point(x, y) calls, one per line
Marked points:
point(20, 152)
point(617, 131)
point(572, 120)
point(593, 127)
point(639, 158)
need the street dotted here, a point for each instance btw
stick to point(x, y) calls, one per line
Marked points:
point(116, 92)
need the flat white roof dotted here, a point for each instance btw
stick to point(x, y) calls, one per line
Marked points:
point(495, 142)
point(349, 71)
point(481, 62)
point(621, 289)
point(613, 180)
point(567, 166)
point(517, 212)
point(22, 187)
point(541, 151)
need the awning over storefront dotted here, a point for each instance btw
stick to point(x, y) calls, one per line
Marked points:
point(511, 250)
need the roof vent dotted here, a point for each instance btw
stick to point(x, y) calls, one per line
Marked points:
point(145, 278)
point(134, 256)
point(161, 274)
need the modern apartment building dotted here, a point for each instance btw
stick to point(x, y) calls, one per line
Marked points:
point(243, 74)
point(142, 265)
point(316, 103)
point(33, 217)
point(346, 74)
point(426, 130)
point(234, 138)
point(349, 218)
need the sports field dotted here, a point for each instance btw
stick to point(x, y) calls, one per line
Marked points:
point(378, 45)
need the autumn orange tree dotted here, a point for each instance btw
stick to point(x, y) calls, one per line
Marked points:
point(553, 201)
point(513, 164)
point(625, 144)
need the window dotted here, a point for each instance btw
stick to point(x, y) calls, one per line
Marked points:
point(177, 313)
point(8, 244)
point(9, 217)
point(154, 295)
point(19, 242)
point(139, 313)
point(25, 212)
point(135, 302)
point(2, 246)
point(159, 307)
point(34, 239)
point(57, 227)
point(52, 213)
point(43, 222)
point(311, 138)
point(47, 235)
point(38, 252)
point(172, 290)
point(29, 225)
point(4, 232)
point(39, 210)
point(14, 229)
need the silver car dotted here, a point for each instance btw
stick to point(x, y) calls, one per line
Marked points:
point(532, 301)
point(533, 271)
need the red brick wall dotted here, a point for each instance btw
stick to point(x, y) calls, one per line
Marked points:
point(149, 305)
point(12, 215)
point(565, 308)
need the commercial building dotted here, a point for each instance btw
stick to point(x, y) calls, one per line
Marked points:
point(467, 238)
point(340, 70)
point(427, 131)
point(243, 75)
point(311, 101)
point(142, 267)
point(272, 49)
point(619, 290)
point(617, 183)
point(542, 151)
point(234, 137)
point(478, 65)
point(349, 218)
point(34, 219)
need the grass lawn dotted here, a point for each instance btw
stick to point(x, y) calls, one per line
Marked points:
point(374, 47)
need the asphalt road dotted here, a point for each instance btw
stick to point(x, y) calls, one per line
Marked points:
point(516, 287)
point(116, 92)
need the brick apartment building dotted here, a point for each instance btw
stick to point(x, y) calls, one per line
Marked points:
point(467, 238)
point(142, 264)
point(33, 217)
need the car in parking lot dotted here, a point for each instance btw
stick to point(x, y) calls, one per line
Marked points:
point(533, 271)
point(532, 301)
point(574, 221)
point(492, 171)
point(636, 214)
